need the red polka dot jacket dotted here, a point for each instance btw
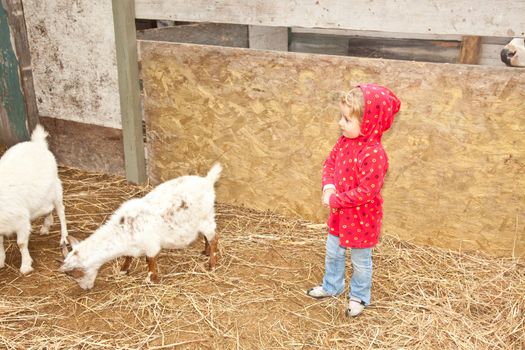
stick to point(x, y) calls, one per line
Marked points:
point(357, 168)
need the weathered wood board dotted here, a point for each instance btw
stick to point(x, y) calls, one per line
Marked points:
point(231, 35)
point(482, 18)
point(457, 148)
point(442, 51)
point(74, 61)
point(13, 107)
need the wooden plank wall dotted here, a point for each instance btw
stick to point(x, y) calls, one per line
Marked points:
point(482, 18)
point(431, 47)
point(13, 108)
point(457, 148)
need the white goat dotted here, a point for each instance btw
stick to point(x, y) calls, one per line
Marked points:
point(29, 188)
point(171, 216)
point(513, 54)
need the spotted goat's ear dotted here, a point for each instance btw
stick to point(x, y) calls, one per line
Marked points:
point(72, 242)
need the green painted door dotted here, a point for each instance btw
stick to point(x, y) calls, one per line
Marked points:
point(13, 114)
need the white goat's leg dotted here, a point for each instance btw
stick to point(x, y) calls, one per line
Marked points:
point(22, 238)
point(48, 221)
point(2, 252)
point(59, 206)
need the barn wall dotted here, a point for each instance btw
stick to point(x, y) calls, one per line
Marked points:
point(457, 148)
point(73, 46)
point(74, 62)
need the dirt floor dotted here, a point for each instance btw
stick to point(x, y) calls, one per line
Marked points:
point(423, 298)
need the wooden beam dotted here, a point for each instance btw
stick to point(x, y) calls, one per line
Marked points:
point(268, 38)
point(469, 52)
point(462, 17)
point(128, 77)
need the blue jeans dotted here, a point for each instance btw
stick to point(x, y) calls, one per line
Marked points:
point(334, 275)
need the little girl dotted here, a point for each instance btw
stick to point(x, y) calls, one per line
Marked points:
point(353, 175)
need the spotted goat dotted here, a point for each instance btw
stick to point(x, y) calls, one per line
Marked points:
point(171, 216)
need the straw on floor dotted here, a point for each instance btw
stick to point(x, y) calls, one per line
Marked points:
point(423, 298)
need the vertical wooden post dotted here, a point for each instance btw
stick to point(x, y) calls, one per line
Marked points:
point(18, 110)
point(128, 77)
point(470, 50)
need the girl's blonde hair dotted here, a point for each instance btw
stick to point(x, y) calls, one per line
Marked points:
point(355, 100)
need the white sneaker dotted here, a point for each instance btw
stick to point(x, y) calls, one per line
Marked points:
point(355, 307)
point(318, 293)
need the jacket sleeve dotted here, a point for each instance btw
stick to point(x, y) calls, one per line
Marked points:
point(329, 167)
point(372, 171)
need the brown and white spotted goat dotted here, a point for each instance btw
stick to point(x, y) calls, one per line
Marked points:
point(171, 216)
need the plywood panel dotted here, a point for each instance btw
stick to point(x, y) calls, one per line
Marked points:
point(457, 148)
point(407, 16)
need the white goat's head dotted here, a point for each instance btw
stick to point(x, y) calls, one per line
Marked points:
point(513, 54)
point(74, 266)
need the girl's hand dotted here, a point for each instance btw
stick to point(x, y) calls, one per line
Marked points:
point(326, 197)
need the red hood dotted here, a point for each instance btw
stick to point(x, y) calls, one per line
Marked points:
point(378, 113)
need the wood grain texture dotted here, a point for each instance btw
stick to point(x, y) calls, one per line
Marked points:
point(408, 16)
point(470, 50)
point(231, 35)
point(21, 44)
point(73, 60)
point(129, 90)
point(456, 149)
point(13, 108)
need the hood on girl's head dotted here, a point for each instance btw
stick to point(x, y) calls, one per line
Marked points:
point(380, 106)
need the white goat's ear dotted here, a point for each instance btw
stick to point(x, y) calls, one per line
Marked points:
point(65, 251)
point(73, 241)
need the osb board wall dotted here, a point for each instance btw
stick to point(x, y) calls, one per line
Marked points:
point(457, 149)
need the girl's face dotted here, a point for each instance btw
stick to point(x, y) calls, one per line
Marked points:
point(350, 125)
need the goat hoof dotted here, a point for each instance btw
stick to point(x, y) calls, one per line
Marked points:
point(26, 269)
point(152, 279)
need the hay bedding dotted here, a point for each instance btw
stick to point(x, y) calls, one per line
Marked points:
point(423, 298)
